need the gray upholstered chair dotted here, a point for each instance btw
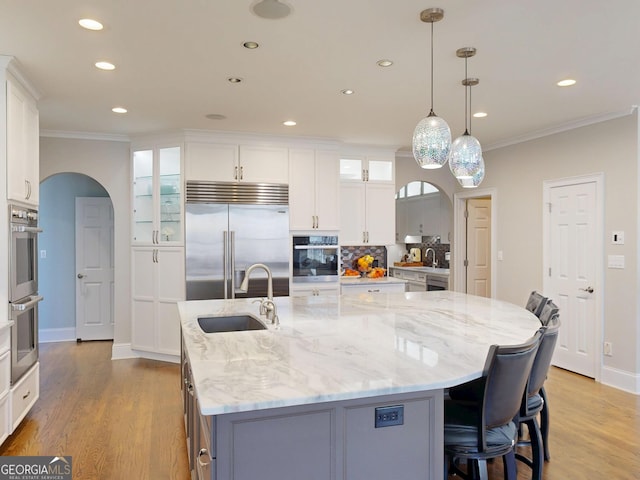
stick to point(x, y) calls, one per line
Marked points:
point(549, 311)
point(534, 403)
point(479, 415)
point(535, 303)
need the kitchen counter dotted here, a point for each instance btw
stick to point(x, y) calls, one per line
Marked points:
point(344, 384)
point(370, 281)
point(344, 347)
point(443, 272)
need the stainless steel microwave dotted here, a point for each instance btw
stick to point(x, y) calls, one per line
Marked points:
point(315, 259)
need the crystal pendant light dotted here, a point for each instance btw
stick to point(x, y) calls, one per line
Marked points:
point(477, 178)
point(466, 152)
point(432, 135)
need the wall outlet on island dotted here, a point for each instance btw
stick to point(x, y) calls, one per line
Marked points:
point(608, 349)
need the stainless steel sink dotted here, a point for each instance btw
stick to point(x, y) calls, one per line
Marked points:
point(230, 323)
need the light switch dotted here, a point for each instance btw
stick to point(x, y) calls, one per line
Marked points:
point(500, 256)
point(43, 254)
point(617, 237)
point(615, 261)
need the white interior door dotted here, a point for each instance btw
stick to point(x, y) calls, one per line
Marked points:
point(94, 268)
point(573, 250)
point(479, 247)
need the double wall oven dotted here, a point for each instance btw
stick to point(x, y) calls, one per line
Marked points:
point(23, 289)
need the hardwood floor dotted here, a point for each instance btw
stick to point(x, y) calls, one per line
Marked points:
point(118, 419)
point(595, 431)
point(123, 419)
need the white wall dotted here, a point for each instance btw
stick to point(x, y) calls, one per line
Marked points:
point(517, 173)
point(108, 163)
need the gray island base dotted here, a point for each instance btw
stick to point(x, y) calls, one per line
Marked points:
point(345, 388)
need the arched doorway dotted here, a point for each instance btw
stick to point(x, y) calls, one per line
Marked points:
point(57, 247)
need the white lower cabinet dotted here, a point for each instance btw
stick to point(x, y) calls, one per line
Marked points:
point(24, 394)
point(373, 288)
point(158, 283)
point(5, 417)
point(314, 290)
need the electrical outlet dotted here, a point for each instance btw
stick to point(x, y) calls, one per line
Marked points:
point(608, 349)
point(389, 416)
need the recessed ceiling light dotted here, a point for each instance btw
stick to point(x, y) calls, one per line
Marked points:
point(119, 110)
point(568, 82)
point(215, 116)
point(480, 114)
point(251, 45)
point(289, 123)
point(384, 63)
point(347, 91)
point(105, 65)
point(234, 79)
point(90, 24)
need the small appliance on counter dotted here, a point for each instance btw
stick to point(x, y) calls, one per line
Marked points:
point(415, 255)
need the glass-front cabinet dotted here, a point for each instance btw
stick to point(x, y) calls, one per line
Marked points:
point(157, 196)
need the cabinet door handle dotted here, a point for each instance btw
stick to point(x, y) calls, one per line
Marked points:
point(235, 172)
point(26, 395)
point(27, 186)
point(374, 290)
point(241, 172)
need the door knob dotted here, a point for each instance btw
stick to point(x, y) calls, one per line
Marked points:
point(588, 289)
point(81, 275)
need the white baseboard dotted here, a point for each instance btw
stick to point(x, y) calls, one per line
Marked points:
point(123, 350)
point(48, 335)
point(621, 379)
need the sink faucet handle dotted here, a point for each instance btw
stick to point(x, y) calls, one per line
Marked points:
point(263, 309)
point(271, 311)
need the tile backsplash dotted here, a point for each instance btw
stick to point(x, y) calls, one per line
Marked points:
point(351, 253)
point(439, 248)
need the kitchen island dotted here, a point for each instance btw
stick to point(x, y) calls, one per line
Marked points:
point(302, 400)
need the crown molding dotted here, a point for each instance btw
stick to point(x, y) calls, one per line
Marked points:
point(110, 137)
point(581, 122)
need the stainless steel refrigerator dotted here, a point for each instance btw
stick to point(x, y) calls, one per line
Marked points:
point(230, 226)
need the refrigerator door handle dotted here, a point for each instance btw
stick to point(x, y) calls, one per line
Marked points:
point(225, 247)
point(232, 256)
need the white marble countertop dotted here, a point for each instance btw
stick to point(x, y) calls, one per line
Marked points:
point(369, 281)
point(329, 348)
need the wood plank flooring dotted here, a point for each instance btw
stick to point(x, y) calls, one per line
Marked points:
point(118, 419)
point(123, 419)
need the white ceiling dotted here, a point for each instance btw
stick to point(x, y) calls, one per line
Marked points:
point(173, 58)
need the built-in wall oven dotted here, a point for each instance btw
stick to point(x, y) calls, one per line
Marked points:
point(315, 259)
point(23, 289)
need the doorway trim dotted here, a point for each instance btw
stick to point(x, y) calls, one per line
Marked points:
point(460, 236)
point(547, 185)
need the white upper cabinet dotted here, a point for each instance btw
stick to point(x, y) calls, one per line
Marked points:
point(23, 144)
point(314, 189)
point(366, 169)
point(367, 198)
point(229, 162)
point(157, 196)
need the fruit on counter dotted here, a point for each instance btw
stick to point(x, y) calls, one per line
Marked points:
point(348, 272)
point(376, 272)
point(364, 263)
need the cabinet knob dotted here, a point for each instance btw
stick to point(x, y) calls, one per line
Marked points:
point(81, 275)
